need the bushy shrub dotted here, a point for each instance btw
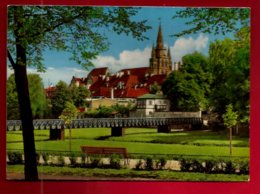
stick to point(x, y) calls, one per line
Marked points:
point(95, 162)
point(149, 163)
point(139, 165)
point(73, 158)
point(115, 161)
point(209, 165)
point(185, 165)
point(45, 157)
point(161, 163)
point(230, 169)
point(244, 168)
point(215, 166)
point(196, 166)
point(15, 157)
point(60, 161)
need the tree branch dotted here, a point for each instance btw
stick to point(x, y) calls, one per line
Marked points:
point(11, 59)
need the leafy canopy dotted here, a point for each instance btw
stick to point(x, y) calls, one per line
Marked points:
point(230, 117)
point(214, 20)
point(229, 63)
point(189, 87)
point(69, 113)
point(37, 97)
point(79, 30)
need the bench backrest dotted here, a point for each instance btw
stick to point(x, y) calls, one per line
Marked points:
point(91, 150)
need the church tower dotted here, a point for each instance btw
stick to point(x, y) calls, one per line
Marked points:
point(160, 61)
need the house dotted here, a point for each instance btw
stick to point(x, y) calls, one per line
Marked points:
point(147, 105)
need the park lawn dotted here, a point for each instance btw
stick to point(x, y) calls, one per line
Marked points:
point(184, 138)
point(138, 147)
point(130, 174)
point(140, 140)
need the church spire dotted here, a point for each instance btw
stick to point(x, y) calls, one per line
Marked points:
point(153, 55)
point(160, 38)
point(169, 53)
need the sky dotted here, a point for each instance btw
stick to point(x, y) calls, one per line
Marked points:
point(126, 52)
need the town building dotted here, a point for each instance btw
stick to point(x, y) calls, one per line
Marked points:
point(131, 83)
point(147, 105)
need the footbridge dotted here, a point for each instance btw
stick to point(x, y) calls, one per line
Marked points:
point(117, 125)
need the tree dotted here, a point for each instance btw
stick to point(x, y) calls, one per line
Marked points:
point(155, 88)
point(189, 87)
point(214, 20)
point(32, 29)
point(230, 120)
point(69, 113)
point(229, 61)
point(60, 96)
point(37, 97)
point(12, 101)
point(79, 95)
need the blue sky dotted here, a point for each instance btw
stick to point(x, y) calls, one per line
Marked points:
point(126, 52)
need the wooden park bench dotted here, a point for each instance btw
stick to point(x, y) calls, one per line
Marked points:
point(104, 151)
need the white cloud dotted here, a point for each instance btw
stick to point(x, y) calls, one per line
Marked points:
point(183, 46)
point(126, 59)
point(52, 75)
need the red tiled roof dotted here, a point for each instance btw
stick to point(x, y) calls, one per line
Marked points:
point(156, 78)
point(49, 91)
point(98, 72)
point(136, 71)
point(134, 93)
point(127, 83)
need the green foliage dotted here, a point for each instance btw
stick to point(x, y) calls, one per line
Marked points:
point(230, 117)
point(139, 165)
point(12, 99)
point(230, 61)
point(69, 112)
point(155, 88)
point(37, 97)
point(79, 95)
point(130, 174)
point(214, 20)
point(95, 162)
point(149, 163)
point(161, 163)
point(110, 111)
point(189, 88)
point(69, 28)
point(15, 157)
point(215, 166)
point(115, 161)
point(60, 96)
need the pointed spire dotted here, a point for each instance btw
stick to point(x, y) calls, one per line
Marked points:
point(153, 52)
point(160, 38)
point(169, 53)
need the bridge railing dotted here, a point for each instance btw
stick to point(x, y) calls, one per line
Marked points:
point(103, 122)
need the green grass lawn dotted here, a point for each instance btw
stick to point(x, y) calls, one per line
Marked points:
point(140, 140)
point(128, 173)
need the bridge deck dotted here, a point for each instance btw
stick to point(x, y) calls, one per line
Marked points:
point(104, 122)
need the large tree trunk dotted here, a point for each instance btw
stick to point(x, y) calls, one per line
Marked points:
point(30, 167)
